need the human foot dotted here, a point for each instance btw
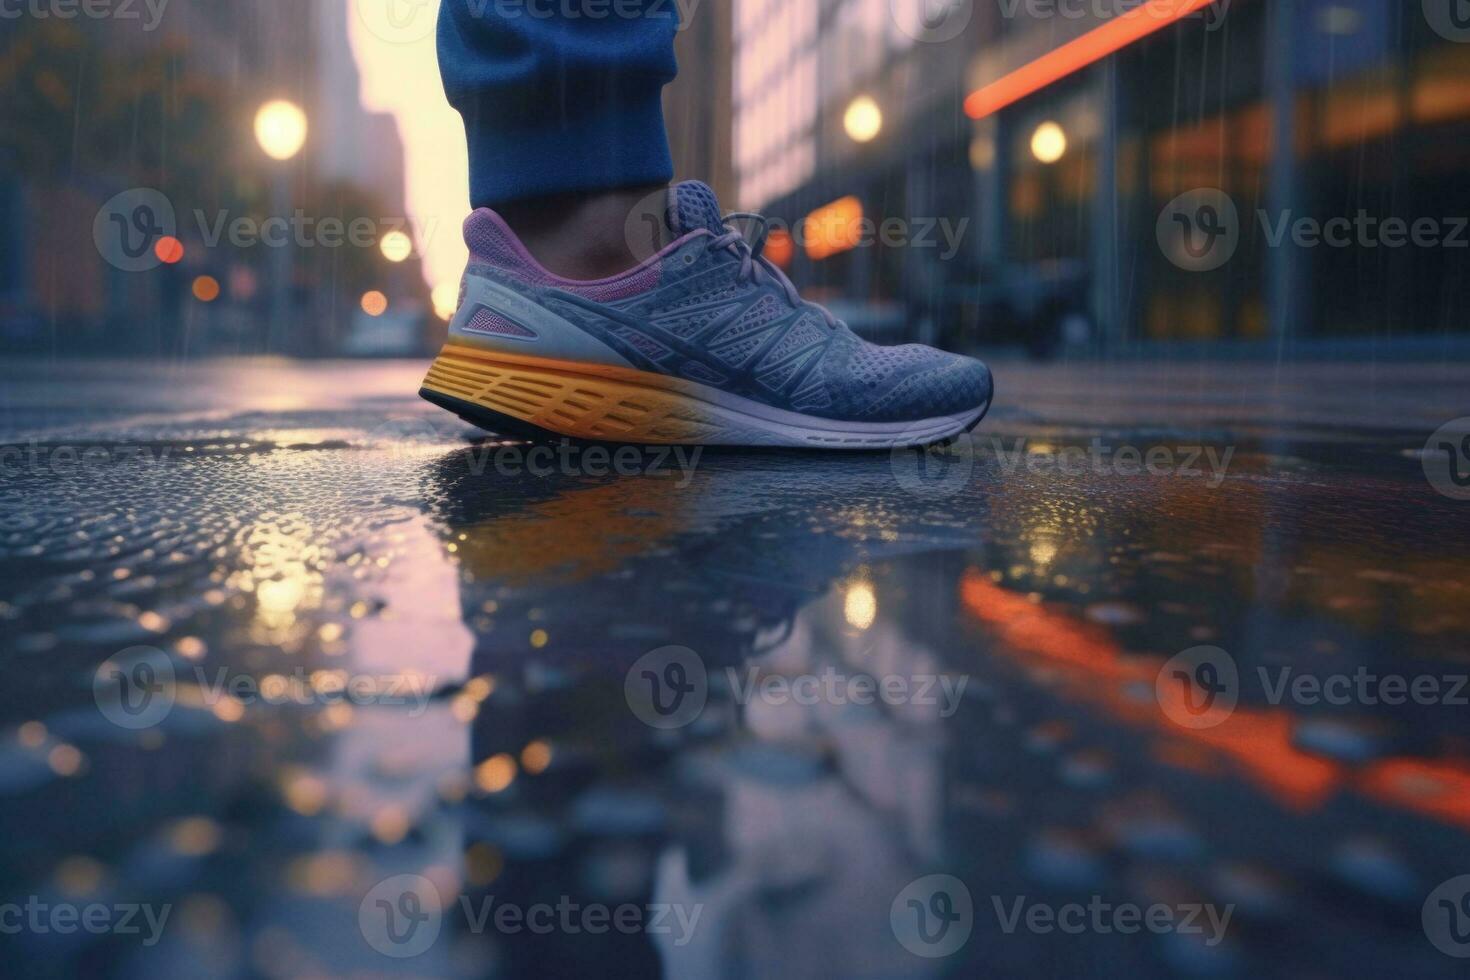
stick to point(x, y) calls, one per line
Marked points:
point(590, 235)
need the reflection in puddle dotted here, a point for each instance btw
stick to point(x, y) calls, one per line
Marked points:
point(785, 817)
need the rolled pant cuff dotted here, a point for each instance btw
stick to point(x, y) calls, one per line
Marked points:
point(612, 147)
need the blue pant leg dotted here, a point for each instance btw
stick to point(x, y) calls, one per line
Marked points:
point(559, 95)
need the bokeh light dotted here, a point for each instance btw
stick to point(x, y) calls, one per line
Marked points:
point(374, 303)
point(280, 129)
point(396, 246)
point(169, 250)
point(206, 289)
point(1049, 142)
point(863, 119)
point(445, 298)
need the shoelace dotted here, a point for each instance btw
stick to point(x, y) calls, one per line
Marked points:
point(755, 267)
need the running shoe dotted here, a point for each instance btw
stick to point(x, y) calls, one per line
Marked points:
point(705, 343)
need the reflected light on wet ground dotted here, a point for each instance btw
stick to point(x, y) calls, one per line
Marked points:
point(301, 648)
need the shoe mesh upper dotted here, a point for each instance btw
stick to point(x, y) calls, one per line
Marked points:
point(688, 313)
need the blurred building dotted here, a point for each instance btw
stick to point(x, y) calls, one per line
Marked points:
point(1061, 138)
point(104, 106)
point(349, 142)
point(698, 105)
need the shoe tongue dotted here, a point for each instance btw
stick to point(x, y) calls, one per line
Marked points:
point(692, 206)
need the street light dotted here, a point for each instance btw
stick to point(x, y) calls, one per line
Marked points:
point(280, 129)
point(863, 119)
point(396, 246)
point(1049, 142)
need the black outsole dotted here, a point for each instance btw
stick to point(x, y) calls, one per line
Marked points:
point(508, 425)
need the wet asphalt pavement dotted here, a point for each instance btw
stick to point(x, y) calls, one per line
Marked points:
point(1160, 674)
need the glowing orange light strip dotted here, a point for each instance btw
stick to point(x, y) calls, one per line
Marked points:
point(1077, 54)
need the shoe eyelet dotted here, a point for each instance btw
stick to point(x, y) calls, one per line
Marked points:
point(688, 258)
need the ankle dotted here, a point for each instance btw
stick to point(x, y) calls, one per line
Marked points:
point(591, 235)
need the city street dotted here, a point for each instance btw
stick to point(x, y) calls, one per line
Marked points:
point(1164, 666)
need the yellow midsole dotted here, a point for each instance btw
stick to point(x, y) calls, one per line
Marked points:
point(586, 401)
